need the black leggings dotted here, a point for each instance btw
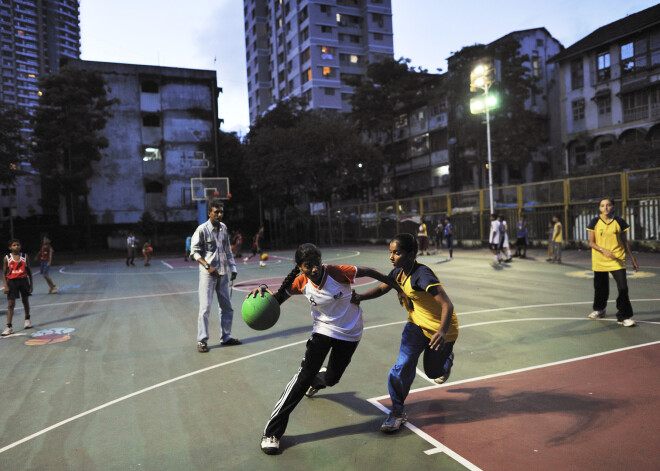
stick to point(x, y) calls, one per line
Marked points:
point(602, 291)
point(318, 347)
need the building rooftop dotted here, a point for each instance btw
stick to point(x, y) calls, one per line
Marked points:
point(612, 32)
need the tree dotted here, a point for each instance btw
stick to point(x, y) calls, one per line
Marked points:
point(296, 155)
point(12, 148)
point(389, 89)
point(516, 132)
point(72, 111)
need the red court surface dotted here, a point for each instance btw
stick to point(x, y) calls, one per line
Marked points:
point(598, 413)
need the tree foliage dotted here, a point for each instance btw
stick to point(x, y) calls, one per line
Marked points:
point(12, 145)
point(72, 111)
point(297, 155)
point(516, 132)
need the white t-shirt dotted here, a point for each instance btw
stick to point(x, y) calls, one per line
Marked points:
point(494, 232)
point(333, 313)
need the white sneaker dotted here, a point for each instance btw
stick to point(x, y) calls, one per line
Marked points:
point(626, 323)
point(597, 314)
point(270, 445)
point(27, 324)
point(7, 331)
point(393, 422)
point(245, 260)
point(262, 264)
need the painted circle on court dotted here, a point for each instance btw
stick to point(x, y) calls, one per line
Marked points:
point(590, 274)
point(50, 336)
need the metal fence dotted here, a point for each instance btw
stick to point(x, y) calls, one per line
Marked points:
point(573, 200)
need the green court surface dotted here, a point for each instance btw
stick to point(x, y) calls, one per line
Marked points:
point(109, 378)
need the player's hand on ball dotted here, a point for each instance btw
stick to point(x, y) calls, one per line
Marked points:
point(260, 291)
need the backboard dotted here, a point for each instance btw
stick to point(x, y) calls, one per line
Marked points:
point(202, 189)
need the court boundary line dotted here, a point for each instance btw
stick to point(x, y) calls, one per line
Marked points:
point(209, 368)
point(439, 447)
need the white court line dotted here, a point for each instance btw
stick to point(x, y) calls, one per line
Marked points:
point(168, 265)
point(438, 447)
point(193, 373)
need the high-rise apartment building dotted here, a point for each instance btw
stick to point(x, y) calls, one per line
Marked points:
point(34, 35)
point(309, 47)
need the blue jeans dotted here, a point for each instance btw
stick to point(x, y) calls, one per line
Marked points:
point(402, 374)
point(220, 286)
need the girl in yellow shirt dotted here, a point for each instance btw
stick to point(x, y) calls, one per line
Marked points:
point(432, 326)
point(607, 239)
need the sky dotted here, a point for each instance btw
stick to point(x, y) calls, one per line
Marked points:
point(208, 34)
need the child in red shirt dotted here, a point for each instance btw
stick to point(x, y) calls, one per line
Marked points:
point(17, 280)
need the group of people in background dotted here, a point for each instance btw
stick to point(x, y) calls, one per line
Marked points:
point(443, 233)
point(132, 246)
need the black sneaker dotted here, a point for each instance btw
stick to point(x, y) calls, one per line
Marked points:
point(448, 364)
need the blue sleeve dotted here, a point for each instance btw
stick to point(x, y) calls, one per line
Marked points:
point(423, 278)
point(592, 224)
point(394, 273)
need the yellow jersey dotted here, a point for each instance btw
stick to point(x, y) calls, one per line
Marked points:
point(426, 311)
point(608, 236)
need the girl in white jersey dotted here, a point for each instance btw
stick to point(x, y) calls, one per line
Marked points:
point(337, 330)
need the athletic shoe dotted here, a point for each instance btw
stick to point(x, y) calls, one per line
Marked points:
point(53, 290)
point(202, 347)
point(27, 324)
point(270, 445)
point(7, 331)
point(448, 364)
point(508, 260)
point(262, 264)
point(597, 314)
point(393, 422)
point(627, 323)
point(311, 391)
point(245, 260)
point(232, 341)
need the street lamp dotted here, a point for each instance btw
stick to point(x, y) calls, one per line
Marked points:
point(482, 77)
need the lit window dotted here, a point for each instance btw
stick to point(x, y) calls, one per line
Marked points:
point(354, 59)
point(327, 52)
point(151, 153)
point(327, 71)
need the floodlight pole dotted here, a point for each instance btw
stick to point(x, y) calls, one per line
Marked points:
point(490, 165)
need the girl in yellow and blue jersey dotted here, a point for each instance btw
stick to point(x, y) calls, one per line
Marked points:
point(607, 239)
point(432, 326)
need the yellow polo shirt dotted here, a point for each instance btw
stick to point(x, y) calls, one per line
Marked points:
point(608, 236)
point(426, 311)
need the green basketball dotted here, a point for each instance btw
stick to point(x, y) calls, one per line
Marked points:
point(261, 313)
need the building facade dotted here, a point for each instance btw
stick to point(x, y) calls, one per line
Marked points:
point(609, 84)
point(34, 36)
point(166, 120)
point(308, 47)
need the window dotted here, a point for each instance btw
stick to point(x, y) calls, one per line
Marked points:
point(401, 121)
point(304, 35)
point(419, 145)
point(378, 37)
point(578, 109)
point(633, 56)
point(306, 76)
point(328, 72)
point(354, 38)
point(603, 66)
point(539, 42)
point(153, 187)
point(302, 15)
point(580, 154)
point(149, 87)
point(325, 9)
point(151, 153)
point(9, 191)
point(151, 120)
point(604, 105)
point(326, 29)
point(329, 91)
point(536, 66)
point(327, 53)
point(577, 74)
point(305, 56)
point(635, 106)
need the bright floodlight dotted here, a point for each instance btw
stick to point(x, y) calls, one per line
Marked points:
point(491, 101)
point(479, 70)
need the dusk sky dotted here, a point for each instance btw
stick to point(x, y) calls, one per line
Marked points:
point(208, 34)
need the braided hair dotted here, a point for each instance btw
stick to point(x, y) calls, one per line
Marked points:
point(306, 252)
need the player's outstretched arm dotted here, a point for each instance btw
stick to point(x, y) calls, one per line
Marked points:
point(387, 281)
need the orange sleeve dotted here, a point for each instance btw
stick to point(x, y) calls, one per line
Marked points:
point(342, 273)
point(298, 285)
